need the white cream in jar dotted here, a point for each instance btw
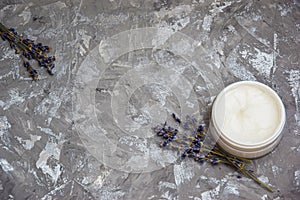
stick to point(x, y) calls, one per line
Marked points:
point(247, 119)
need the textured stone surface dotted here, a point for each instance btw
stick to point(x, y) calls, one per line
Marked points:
point(196, 48)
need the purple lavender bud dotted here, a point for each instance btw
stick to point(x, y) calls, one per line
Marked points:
point(160, 132)
point(200, 128)
point(26, 64)
point(25, 41)
point(27, 55)
point(191, 154)
point(214, 161)
point(42, 63)
point(50, 72)
point(12, 45)
point(172, 137)
point(3, 38)
point(13, 31)
point(199, 159)
point(165, 136)
point(196, 149)
point(165, 143)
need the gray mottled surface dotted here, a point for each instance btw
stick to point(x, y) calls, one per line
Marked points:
point(45, 152)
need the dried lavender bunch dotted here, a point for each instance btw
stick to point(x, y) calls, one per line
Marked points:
point(194, 143)
point(29, 51)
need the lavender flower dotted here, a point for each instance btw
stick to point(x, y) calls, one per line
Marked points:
point(194, 143)
point(29, 51)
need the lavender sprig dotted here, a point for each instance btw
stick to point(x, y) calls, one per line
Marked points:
point(201, 148)
point(29, 51)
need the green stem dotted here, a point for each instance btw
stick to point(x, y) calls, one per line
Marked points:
point(250, 175)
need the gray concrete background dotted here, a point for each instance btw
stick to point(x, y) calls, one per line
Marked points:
point(41, 153)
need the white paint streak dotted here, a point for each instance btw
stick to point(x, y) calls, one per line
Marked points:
point(217, 7)
point(60, 5)
point(182, 173)
point(15, 99)
point(264, 179)
point(167, 195)
point(162, 158)
point(4, 125)
point(207, 22)
point(152, 197)
point(182, 10)
point(49, 195)
point(26, 14)
point(169, 185)
point(163, 35)
point(297, 178)
point(177, 26)
point(243, 20)
point(160, 94)
point(178, 13)
point(232, 29)
point(276, 170)
point(106, 20)
point(294, 82)
point(211, 194)
point(295, 149)
point(5, 165)
point(231, 188)
point(237, 69)
point(264, 197)
point(85, 39)
point(275, 43)
point(98, 183)
point(111, 192)
point(139, 143)
point(284, 10)
point(28, 144)
point(5, 76)
point(8, 8)
point(262, 62)
point(100, 180)
point(51, 150)
point(49, 106)
point(47, 131)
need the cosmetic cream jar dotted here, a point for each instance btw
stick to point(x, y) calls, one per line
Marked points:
point(247, 119)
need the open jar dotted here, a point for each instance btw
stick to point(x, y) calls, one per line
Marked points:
point(247, 119)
